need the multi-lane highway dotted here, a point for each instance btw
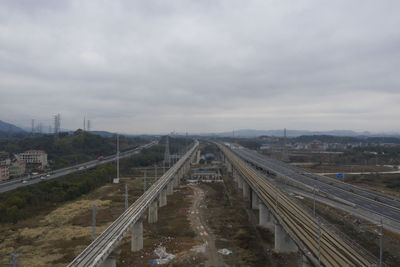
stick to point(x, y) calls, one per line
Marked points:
point(11, 185)
point(360, 198)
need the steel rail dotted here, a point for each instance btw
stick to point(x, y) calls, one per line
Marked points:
point(97, 252)
point(326, 180)
point(394, 209)
point(302, 227)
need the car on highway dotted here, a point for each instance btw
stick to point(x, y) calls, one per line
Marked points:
point(42, 178)
point(24, 181)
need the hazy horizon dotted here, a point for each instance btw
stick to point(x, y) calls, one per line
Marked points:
point(201, 66)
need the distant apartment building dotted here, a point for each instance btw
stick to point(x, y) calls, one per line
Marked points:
point(4, 172)
point(17, 168)
point(34, 157)
point(4, 158)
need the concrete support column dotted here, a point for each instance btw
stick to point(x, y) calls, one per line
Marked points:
point(254, 200)
point(246, 190)
point(153, 212)
point(229, 167)
point(283, 242)
point(265, 217)
point(174, 182)
point(137, 236)
point(304, 262)
point(170, 189)
point(163, 198)
point(234, 175)
point(111, 260)
point(240, 182)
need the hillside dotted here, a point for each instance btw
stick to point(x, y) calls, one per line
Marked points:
point(5, 127)
point(72, 148)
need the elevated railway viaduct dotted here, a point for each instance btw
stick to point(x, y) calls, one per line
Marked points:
point(295, 227)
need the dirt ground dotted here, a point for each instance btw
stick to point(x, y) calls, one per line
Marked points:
point(200, 226)
point(200, 220)
point(236, 228)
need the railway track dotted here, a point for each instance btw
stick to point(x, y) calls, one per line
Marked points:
point(303, 228)
point(97, 252)
point(385, 207)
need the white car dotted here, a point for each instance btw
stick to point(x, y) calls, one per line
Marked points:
point(24, 181)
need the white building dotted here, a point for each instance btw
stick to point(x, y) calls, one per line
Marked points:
point(34, 157)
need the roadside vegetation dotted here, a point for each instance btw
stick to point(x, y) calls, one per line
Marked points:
point(27, 201)
point(72, 148)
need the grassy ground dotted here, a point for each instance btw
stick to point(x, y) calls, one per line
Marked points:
point(55, 236)
point(362, 232)
point(346, 168)
point(383, 183)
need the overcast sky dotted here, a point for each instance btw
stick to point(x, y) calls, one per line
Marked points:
point(202, 65)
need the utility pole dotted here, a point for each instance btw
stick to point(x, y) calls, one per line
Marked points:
point(14, 257)
point(144, 181)
point(319, 242)
point(117, 159)
point(285, 156)
point(94, 213)
point(126, 197)
point(314, 200)
point(381, 244)
point(186, 141)
point(33, 126)
point(167, 156)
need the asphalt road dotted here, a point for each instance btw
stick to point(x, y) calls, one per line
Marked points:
point(15, 183)
point(361, 198)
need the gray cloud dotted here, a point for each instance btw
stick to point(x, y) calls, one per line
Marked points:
point(155, 66)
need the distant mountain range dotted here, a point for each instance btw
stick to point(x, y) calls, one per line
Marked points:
point(294, 133)
point(5, 127)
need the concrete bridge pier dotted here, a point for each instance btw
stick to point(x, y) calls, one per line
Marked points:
point(265, 217)
point(163, 198)
point(246, 190)
point(175, 182)
point(153, 212)
point(304, 261)
point(137, 236)
point(254, 200)
point(240, 182)
point(229, 167)
point(170, 188)
point(111, 260)
point(235, 175)
point(283, 242)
